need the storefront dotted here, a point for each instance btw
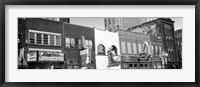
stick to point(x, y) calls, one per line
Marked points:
point(38, 59)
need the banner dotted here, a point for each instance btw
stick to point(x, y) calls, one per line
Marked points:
point(85, 57)
point(32, 56)
point(51, 56)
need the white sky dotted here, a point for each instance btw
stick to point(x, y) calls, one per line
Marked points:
point(98, 22)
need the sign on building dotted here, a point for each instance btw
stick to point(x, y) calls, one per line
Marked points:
point(32, 56)
point(85, 57)
point(51, 56)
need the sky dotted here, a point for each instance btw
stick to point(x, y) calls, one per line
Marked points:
point(98, 22)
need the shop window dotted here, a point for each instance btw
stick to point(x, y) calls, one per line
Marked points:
point(146, 65)
point(134, 48)
point(130, 65)
point(129, 48)
point(135, 65)
point(39, 38)
point(141, 65)
point(125, 65)
point(79, 44)
point(123, 46)
point(45, 39)
point(70, 62)
point(31, 37)
point(101, 49)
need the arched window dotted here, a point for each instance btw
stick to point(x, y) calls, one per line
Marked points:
point(101, 49)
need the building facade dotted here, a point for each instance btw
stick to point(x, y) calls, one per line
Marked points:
point(103, 41)
point(178, 36)
point(53, 44)
point(131, 45)
point(112, 24)
point(75, 39)
point(161, 32)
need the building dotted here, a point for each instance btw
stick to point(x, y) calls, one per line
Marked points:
point(161, 33)
point(131, 45)
point(54, 44)
point(178, 36)
point(112, 24)
point(75, 39)
point(64, 20)
point(104, 40)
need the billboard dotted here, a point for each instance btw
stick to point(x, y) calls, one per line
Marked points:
point(51, 56)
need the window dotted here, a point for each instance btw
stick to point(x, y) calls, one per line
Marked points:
point(101, 49)
point(129, 48)
point(45, 39)
point(139, 48)
point(90, 44)
point(141, 65)
point(135, 65)
point(31, 37)
point(130, 65)
point(160, 49)
point(123, 45)
point(152, 49)
point(72, 43)
point(156, 49)
point(146, 65)
point(67, 42)
point(52, 40)
point(134, 48)
point(39, 38)
point(58, 40)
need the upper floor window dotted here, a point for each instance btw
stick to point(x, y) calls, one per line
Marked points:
point(123, 46)
point(32, 38)
point(129, 48)
point(71, 42)
point(44, 38)
point(101, 49)
point(88, 43)
point(134, 48)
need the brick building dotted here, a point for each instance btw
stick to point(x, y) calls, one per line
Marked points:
point(178, 36)
point(161, 33)
point(50, 43)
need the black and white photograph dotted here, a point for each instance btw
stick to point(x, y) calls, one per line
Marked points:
point(100, 43)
